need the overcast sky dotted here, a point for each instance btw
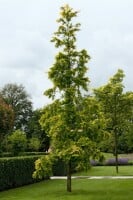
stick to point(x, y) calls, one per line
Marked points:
point(26, 54)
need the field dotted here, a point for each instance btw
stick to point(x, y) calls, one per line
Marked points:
point(82, 189)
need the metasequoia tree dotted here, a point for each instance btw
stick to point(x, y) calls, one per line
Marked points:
point(117, 107)
point(63, 120)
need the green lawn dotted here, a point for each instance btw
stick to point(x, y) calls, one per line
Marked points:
point(83, 189)
point(108, 171)
point(110, 155)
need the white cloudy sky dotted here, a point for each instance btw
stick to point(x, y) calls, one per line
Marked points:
point(26, 27)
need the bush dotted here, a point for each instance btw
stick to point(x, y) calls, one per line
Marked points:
point(43, 167)
point(95, 163)
point(16, 171)
point(121, 161)
point(17, 142)
point(112, 162)
point(34, 144)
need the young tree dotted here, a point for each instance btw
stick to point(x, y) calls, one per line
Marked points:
point(117, 108)
point(63, 119)
point(16, 96)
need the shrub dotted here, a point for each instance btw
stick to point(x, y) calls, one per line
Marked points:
point(112, 162)
point(43, 167)
point(121, 161)
point(17, 142)
point(94, 162)
point(34, 144)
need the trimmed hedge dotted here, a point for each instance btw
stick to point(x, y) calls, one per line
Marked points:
point(10, 154)
point(16, 171)
point(33, 153)
point(59, 168)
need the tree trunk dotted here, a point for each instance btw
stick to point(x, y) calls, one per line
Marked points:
point(116, 153)
point(69, 189)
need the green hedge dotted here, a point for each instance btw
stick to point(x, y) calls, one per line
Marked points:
point(59, 168)
point(16, 171)
point(33, 153)
point(10, 154)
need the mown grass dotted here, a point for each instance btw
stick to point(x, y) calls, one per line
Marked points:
point(110, 155)
point(82, 189)
point(107, 171)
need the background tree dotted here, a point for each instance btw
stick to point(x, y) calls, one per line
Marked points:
point(125, 139)
point(129, 137)
point(34, 130)
point(6, 119)
point(93, 119)
point(117, 108)
point(66, 127)
point(16, 96)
